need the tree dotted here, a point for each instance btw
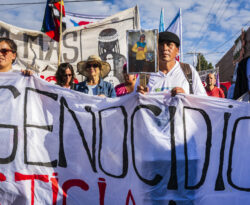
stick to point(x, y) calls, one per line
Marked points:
point(210, 66)
point(202, 63)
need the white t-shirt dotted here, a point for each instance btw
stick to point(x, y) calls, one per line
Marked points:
point(92, 89)
point(159, 81)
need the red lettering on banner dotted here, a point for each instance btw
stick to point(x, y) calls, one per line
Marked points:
point(54, 182)
point(21, 177)
point(2, 178)
point(130, 197)
point(102, 189)
point(70, 183)
point(51, 78)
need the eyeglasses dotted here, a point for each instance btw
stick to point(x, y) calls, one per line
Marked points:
point(67, 75)
point(94, 65)
point(4, 51)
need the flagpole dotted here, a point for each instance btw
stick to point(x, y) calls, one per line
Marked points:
point(181, 52)
point(60, 35)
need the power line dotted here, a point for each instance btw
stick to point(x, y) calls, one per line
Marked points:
point(219, 19)
point(237, 33)
point(192, 53)
point(227, 40)
point(209, 12)
point(206, 31)
point(16, 7)
point(44, 2)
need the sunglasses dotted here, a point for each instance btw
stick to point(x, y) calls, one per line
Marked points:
point(94, 65)
point(67, 75)
point(4, 51)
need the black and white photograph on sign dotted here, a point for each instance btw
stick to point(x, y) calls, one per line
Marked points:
point(142, 51)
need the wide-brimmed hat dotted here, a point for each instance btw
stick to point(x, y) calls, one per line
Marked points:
point(104, 69)
point(169, 36)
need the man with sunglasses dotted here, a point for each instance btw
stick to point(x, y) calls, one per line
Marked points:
point(8, 54)
point(171, 76)
point(95, 70)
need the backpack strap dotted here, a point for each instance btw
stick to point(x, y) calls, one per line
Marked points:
point(188, 74)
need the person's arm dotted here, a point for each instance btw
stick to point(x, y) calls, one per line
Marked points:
point(134, 49)
point(198, 87)
point(27, 72)
point(176, 91)
point(142, 89)
point(221, 93)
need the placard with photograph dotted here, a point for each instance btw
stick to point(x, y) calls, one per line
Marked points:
point(142, 51)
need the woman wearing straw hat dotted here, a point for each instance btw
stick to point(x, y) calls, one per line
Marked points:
point(94, 69)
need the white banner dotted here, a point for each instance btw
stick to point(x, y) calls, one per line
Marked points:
point(106, 38)
point(59, 146)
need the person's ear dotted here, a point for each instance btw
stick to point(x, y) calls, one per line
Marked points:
point(13, 57)
point(178, 50)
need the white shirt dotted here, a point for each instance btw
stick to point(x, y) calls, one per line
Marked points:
point(92, 89)
point(159, 81)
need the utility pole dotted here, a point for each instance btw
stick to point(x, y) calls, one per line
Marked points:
point(199, 55)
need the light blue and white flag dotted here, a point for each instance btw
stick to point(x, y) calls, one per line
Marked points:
point(162, 25)
point(218, 79)
point(176, 27)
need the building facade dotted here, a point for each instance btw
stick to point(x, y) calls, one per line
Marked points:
point(240, 50)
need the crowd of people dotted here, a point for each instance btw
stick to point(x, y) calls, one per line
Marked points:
point(172, 76)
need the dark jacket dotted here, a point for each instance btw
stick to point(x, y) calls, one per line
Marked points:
point(241, 85)
point(103, 87)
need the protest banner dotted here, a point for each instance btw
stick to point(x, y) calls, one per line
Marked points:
point(59, 146)
point(76, 19)
point(106, 38)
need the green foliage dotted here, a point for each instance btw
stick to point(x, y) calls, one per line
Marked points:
point(210, 66)
point(202, 63)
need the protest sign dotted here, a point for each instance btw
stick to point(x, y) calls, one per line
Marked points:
point(142, 51)
point(59, 146)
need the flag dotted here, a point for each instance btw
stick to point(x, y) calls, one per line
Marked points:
point(217, 79)
point(75, 19)
point(176, 27)
point(161, 25)
point(51, 20)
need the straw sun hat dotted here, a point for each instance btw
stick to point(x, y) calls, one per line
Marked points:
point(104, 70)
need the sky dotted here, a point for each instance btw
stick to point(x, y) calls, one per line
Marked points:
point(209, 27)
